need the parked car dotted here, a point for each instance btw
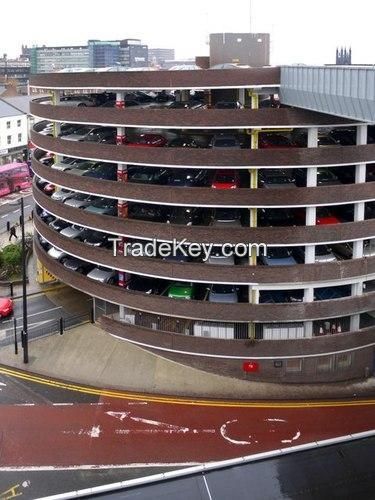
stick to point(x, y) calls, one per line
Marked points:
point(78, 265)
point(345, 137)
point(57, 254)
point(323, 253)
point(325, 177)
point(144, 284)
point(275, 141)
point(62, 194)
point(147, 140)
point(105, 171)
point(73, 231)
point(95, 238)
point(44, 243)
point(82, 168)
point(148, 175)
point(228, 217)
point(344, 250)
point(226, 179)
point(226, 141)
point(187, 177)
point(103, 275)
point(148, 212)
point(101, 135)
point(80, 200)
point(217, 257)
point(183, 142)
point(187, 105)
point(223, 293)
point(276, 178)
point(278, 256)
point(102, 206)
point(325, 216)
point(276, 217)
point(78, 133)
point(78, 101)
point(49, 188)
point(182, 290)
point(369, 248)
point(228, 105)
point(6, 307)
point(188, 216)
point(59, 224)
point(46, 216)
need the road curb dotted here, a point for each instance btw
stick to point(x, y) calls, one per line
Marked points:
point(40, 292)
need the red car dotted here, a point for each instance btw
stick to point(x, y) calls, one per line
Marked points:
point(6, 307)
point(148, 141)
point(49, 189)
point(226, 179)
point(324, 216)
point(275, 141)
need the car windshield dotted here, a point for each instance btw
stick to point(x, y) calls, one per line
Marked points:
point(225, 178)
point(81, 131)
point(326, 175)
point(223, 289)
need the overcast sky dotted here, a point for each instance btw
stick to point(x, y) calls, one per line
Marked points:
point(302, 31)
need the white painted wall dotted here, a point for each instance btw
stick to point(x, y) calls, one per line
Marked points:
point(13, 131)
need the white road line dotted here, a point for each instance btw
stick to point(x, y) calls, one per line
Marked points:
point(31, 315)
point(62, 404)
point(25, 404)
point(46, 468)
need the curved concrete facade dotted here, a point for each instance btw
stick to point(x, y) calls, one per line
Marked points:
point(279, 341)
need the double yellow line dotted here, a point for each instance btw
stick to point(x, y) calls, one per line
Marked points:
point(134, 396)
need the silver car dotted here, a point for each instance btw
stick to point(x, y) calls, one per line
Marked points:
point(223, 293)
point(73, 231)
point(62, 194)
point(78, 134)
point(57, 254)
point(217, 257)
point(80, 200)
point(369, 248)
point(103, 275)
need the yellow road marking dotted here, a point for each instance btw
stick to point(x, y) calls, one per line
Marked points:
point(177, 400)
point(11, 493)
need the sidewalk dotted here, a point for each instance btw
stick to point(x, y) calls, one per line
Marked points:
point(32, 286)
point(88, 355)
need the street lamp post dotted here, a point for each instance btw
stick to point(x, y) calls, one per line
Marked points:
point(25, 338)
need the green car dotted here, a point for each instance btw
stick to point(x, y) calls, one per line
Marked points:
point(181, 291)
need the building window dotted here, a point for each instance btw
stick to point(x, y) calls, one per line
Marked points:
point(18, 123)
point(8, 124)
point(324, 364)
point(343, 360)
point(293, 365)
point(19, 137)
point(9, 139)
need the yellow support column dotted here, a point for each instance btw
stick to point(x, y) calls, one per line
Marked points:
point(253, 294)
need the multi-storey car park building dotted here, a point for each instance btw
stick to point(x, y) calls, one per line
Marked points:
point(298, 180)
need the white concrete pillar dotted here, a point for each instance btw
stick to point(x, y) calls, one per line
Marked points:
point(56, 101)
point(311, 181)
point(121, 136)
point(357, 290)
point(308, 297)
point(241, 96)
point(358, 249)
point(120, 100)
point(360, 177)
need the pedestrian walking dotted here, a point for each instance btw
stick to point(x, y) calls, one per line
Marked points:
point(13, 233)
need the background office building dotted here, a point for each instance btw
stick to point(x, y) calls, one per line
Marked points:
point(15, 69)
point(50, 59)
point(252, 49)
point(157, 57)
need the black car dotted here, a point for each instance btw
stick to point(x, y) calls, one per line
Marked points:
point(228, 105)
point(106, 171)
point(147, 212)
point(345, 137)
point(183, 142)
point(101, 135)
point(144, 284)
point(188, 216)
point(325, 177)
point(187, 177)
point(45, 216)
point(148, 175)
point(276, 178)
point(59, 224)
point(95, 238)
point(78, 265)
point(276, 217)
point(187, 105)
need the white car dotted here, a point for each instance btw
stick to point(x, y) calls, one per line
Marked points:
point(57, 254)
point(62, 194)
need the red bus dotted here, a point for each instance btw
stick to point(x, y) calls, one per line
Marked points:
point(14, 177)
